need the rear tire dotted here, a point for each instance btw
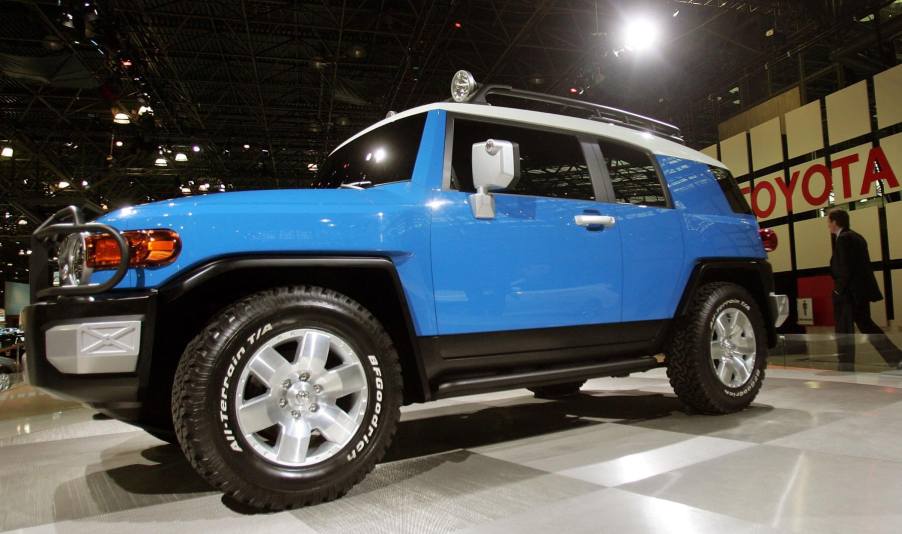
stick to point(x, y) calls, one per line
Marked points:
point(718, 353)
point(557, 391)
point(314, 365)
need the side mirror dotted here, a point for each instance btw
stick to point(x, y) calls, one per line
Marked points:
point(496, 165)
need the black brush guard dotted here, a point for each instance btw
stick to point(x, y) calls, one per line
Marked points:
point(45, 242)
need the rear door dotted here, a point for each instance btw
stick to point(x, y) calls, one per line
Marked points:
point(651, 230)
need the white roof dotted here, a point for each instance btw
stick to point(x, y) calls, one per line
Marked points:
point(652, 143)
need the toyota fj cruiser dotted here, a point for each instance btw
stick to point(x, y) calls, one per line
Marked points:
point(451, 249)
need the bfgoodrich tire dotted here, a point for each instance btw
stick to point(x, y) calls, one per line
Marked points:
point(288, 398)
point(718, 354)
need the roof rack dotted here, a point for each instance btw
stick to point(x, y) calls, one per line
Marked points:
point(599, 112)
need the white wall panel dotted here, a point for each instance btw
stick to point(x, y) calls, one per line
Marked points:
point(812, 243)
point(867, 223)
point(847, 113)
point(811, 184)
point(780, 259)
point(847, 190)
point(734, 153)
point(768, 200)
point(710, 151)
point(888, 95)
point(897, 296)
point(894, 232)
point(892, 149)
point(767, 144)
point(804, 130)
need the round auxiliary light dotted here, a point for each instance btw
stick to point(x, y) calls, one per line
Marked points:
point(463, 85)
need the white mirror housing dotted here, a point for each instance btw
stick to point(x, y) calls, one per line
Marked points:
point(496, 165)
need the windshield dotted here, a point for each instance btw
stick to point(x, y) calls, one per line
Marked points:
point(386, 154)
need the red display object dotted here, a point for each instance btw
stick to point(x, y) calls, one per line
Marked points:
point(820, 290)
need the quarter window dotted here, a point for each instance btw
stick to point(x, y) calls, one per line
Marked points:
point(731, 190)
point(633, 175)
point(551, 164)
point(386, 154)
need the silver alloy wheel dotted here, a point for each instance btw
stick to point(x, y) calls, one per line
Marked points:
point(733, 347)
point(302, 413)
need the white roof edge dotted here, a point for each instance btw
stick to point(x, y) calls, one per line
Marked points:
point(654, 144)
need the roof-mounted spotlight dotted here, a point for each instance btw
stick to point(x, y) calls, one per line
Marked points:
point(463, 85)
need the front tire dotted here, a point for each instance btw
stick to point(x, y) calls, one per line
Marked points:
point(718, 353)
point(288, 398)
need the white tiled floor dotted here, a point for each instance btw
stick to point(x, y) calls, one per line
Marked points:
point(818, 452)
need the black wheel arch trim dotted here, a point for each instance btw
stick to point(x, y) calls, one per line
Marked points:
point(761, 269)
point(199, 274)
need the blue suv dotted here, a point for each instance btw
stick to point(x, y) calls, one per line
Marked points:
point(451, 249)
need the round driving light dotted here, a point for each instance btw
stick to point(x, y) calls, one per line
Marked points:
point(71, 260)
point(463, 84)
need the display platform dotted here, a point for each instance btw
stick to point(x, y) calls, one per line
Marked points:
point(819, 451)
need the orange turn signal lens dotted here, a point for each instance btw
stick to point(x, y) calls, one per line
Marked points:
point(146, 248)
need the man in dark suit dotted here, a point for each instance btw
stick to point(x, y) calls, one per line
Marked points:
point(855, 288)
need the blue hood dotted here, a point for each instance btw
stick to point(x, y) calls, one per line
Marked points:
point(300, 221)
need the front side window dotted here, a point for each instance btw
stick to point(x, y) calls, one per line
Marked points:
point(633, 175)
point(551, 164)
point(384, 155)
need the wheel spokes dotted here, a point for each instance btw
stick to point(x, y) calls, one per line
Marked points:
point(745, 345)
point(717, 351)
point(740, 368)
point(334, 424)
point(343, 380)
point(253, 416)
point(725, 371)
point(312, 352)
point(742, 325)
point(722, 326)
point(293, 442)
point(267, 365)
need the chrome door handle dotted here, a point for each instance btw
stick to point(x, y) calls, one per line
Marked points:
point(594, 220)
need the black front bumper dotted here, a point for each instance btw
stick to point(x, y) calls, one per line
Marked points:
point(119, 392)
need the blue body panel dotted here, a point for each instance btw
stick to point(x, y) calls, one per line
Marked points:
point(530, 267)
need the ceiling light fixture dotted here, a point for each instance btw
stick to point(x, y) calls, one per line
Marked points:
point(121, 118)
point(640, 35)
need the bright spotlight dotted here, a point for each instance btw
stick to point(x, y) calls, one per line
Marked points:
point(640, 35)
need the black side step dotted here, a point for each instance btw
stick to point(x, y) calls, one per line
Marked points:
point(543, 377)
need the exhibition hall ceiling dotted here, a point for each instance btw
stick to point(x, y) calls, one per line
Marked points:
point(109, 103)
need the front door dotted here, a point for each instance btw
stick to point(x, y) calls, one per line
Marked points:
point(537, 264)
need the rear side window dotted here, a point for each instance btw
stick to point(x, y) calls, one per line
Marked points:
point(386, 154)
point(551, 164)
point(633, 175)
point(730, 190)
